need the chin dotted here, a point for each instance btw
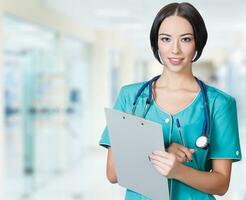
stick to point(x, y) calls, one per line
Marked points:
point(175, 69)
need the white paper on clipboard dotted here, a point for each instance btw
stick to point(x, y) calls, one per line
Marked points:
point(132, 139)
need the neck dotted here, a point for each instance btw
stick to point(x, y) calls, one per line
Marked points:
point(177, 81)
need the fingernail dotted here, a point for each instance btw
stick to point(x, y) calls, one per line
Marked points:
point(192, 150)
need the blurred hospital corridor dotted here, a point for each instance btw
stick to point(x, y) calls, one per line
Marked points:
point(62, 62)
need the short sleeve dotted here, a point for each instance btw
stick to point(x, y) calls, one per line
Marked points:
point(119, 105)
point(224, 141)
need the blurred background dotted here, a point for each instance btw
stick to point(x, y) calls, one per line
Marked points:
point(62, 62)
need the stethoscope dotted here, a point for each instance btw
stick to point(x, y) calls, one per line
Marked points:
point(202, 140)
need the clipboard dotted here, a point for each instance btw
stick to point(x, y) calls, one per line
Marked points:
point(132, 139)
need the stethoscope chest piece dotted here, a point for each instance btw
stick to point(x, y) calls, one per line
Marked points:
point(202, 142)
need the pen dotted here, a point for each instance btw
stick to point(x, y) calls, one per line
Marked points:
point(181, 137)
point(180, 133)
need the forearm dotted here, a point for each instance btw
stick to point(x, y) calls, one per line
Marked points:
point(111, 173)
point(208, 182)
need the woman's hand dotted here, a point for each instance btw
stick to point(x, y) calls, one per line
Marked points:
point(167, 164)
point(182, 153)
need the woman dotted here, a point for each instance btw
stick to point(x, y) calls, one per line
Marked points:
point(178, 36)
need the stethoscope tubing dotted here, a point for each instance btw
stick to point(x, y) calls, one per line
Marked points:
point(206, 123)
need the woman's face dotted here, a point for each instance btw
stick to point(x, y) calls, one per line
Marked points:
point(176, 43)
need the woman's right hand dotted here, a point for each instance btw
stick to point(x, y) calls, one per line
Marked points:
point(182, 153)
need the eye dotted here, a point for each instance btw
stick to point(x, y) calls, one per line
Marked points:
point(186, 39)
point(165, 39)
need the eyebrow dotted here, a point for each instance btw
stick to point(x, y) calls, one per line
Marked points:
point(180, 35)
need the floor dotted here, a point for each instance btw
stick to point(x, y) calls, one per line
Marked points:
point(83, 181)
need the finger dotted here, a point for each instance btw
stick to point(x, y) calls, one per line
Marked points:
point(158, 157)
point(163, 154)
point(187, 152)
point(162, 171)
point(164, 160)
point(176, 144)
point(181, 156)
point(192, 150)
point(160, 164)
point(172, 148)
point(181, 160)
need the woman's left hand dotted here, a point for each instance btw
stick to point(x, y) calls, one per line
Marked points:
point(165, 163)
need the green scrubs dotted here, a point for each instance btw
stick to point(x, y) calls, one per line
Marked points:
point(223, 140)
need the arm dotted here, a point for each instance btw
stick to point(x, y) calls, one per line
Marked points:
point(111, 174)
point(214, 182)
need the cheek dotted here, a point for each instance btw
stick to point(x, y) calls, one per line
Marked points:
point(190, 51)
point(159, 44)
point(164, 49)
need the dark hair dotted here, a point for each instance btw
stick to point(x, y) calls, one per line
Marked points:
point(190, 13)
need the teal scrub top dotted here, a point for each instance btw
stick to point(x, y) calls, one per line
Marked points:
point(223, 140)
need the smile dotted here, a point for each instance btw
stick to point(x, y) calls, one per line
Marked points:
point(175, 61)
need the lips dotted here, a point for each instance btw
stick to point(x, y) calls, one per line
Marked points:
point(175, 61)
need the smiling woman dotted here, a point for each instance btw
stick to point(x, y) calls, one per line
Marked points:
point(199, 122)
point(176, 43)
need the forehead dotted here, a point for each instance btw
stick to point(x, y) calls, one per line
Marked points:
point(175, 25)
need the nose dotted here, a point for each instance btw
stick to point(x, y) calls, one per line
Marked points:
point(175, 47)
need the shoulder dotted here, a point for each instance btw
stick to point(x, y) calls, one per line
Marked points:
point(219, 101)
point(132, 88)
point(219, 96)
point(128, 93)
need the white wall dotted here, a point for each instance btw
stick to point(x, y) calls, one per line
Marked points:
point(35, 11)
point(100, 80)
point(101, 41)
point(1, 108)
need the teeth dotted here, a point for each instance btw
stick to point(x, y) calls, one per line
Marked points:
point(175, 59)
